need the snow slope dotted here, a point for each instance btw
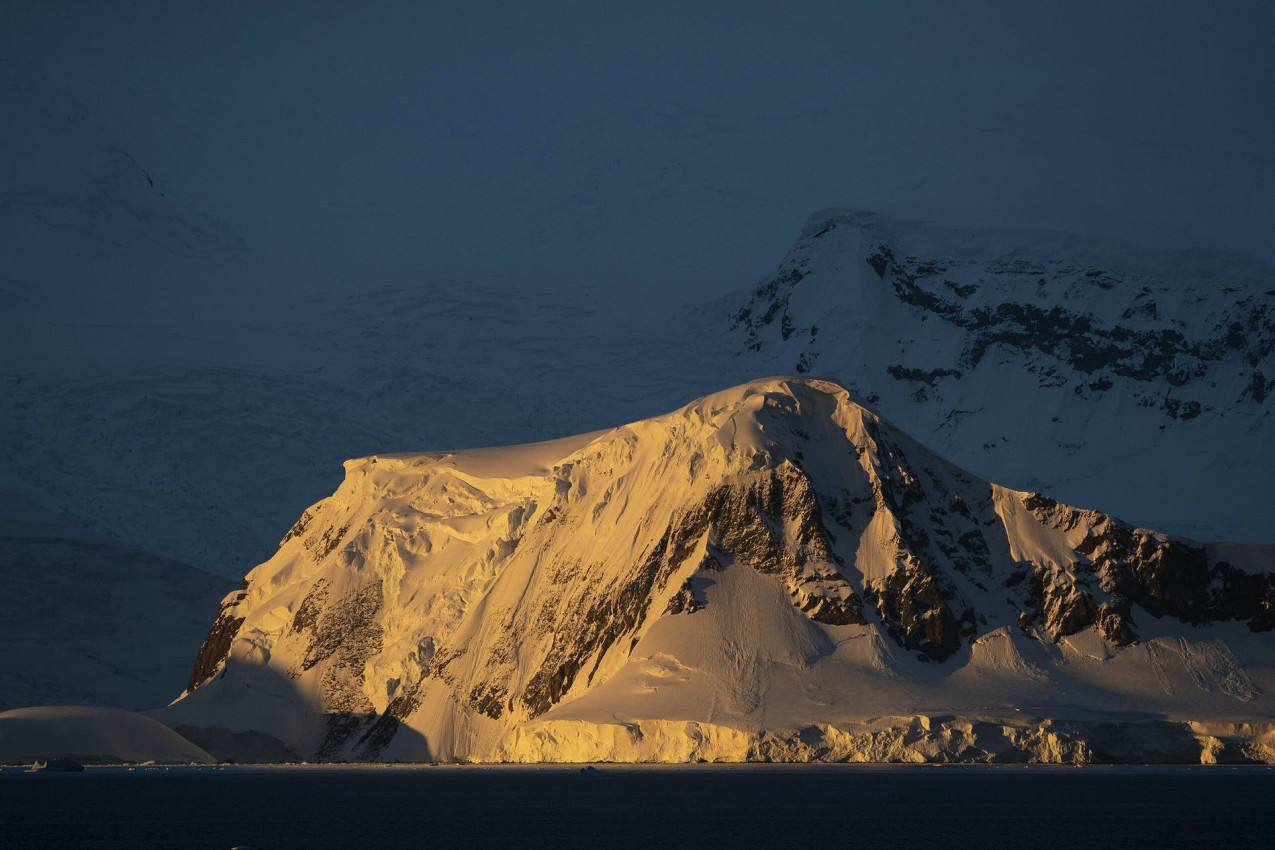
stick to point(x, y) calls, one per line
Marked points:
point(771, 572)
point(208, 458)
point(1138, 381)
point(85, 621)
point(92, 735)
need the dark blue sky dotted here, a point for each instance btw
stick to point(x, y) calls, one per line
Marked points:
point(655, 146)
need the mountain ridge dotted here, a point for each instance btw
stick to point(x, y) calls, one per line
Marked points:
point(1093, 358)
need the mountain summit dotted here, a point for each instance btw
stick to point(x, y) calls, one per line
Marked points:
point(1042, 360)
point(771, 572)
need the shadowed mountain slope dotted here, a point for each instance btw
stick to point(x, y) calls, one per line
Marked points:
point(1041, 360)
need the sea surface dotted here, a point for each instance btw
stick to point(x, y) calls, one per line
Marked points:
point(704, 806)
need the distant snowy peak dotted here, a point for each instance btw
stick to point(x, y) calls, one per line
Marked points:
point(77, 202)
point(745, 536)
point(117, 211)
point(122, 207)
point(1189, 332)
point(1073, 365)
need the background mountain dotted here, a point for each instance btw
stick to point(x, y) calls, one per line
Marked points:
point(84, 621)
point(1135, 380)
point(772, 572)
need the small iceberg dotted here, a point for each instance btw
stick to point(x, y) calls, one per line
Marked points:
point(57, 766)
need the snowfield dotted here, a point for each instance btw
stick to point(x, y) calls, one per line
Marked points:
point(92, 736)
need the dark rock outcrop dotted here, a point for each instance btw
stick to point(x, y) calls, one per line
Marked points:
point(216, 646)
point(1163, 576)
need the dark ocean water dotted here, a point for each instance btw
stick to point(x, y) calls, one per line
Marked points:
point(736, 807)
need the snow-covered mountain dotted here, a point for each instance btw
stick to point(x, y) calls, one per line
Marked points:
point(771, 572)
point(1139, 381)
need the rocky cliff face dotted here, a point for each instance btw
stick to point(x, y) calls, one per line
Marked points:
point(766, 558)
point(1127, 356)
